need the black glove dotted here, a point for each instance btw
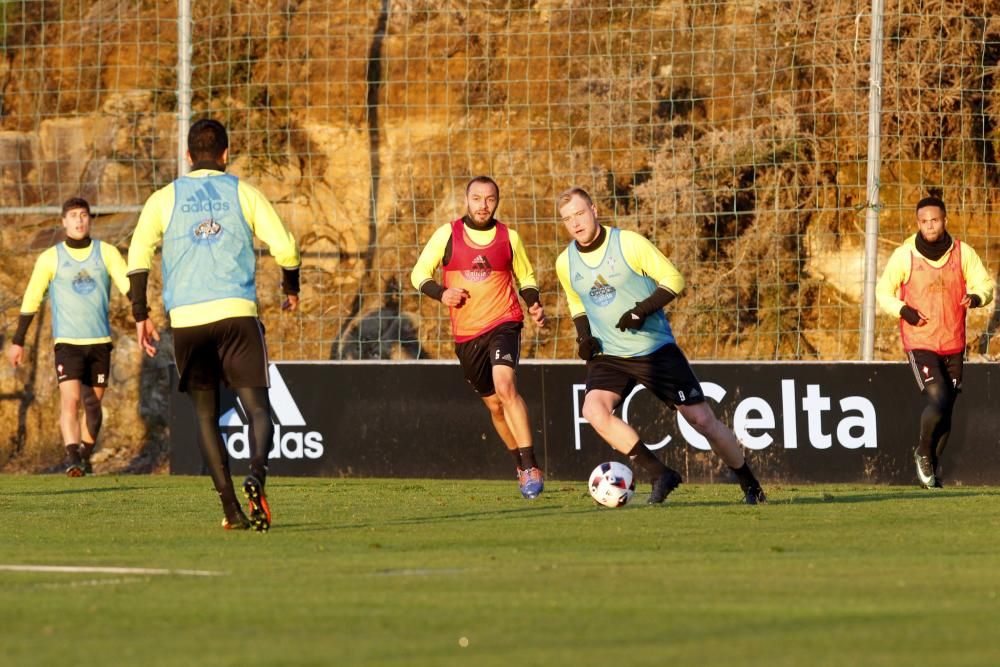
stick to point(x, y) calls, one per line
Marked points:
point(632, 319)
point(974, 300)
point(588, 347)
point(910, 315)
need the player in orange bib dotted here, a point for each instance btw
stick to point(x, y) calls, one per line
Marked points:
point(929, 283)
point(484, 267)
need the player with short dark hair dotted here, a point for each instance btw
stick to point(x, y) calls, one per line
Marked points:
point(77, 274)
point(929, 283)
point(206, 222)
point(483, 261)
point(617, 284)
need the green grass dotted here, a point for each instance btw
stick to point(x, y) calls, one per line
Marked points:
point(396, 572)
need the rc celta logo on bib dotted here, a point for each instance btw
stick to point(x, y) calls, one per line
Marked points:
point(291, 439)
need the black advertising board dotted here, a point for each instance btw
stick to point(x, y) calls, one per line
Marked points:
point(800, 422)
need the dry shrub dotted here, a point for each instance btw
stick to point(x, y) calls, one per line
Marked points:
point(732, 207)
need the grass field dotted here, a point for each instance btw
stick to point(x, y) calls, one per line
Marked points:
point(420, 572)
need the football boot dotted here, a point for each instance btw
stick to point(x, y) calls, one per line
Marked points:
point(260, 511)
point(530, 482)
point(925, 470)
point(663, 485)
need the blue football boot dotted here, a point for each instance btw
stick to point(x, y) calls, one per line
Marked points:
point(530, 482)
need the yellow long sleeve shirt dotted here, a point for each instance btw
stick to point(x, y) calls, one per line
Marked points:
point(45, 270)
point(433, 255)
point(640, 254)
point(897, 272)
point(260, 216)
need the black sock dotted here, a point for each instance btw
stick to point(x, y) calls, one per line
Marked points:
point(746, 477)
point(527, 457)
point(230, 506)
point(73, 453)
point(86, 450)
point(516, 455)
point(641, 456)
point(260, 472)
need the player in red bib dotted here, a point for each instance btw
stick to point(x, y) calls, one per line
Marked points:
point(929, 283)
point(484, 267)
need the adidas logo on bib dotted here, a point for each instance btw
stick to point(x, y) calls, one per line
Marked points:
point(206, 199)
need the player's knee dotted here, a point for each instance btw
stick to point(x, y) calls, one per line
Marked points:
point(259, 416)
point(700, 417)
point(90, 399)
point(596, 415)
point(494, 405)
point(939, 399)
point(701, 421)
point(944, 405)
point(506, 391)
point(70, 404)
point(933, 411)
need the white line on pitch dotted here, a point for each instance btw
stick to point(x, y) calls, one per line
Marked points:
point(76, 583)
point(83, 569)
point(418, 572)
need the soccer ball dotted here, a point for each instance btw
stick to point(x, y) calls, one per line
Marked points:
point(611, 484)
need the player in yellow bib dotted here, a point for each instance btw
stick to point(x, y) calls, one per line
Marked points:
point(617, 284)
point(77, 274)
point(930, 283)
point(484, 267)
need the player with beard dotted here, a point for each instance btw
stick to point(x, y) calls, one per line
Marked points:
point(484, 266)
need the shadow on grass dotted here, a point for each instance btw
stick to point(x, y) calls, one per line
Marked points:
point(487, 515)
point(881, 496)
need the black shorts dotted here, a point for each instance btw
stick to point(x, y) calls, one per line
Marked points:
point(230, 350)
point(931, 367)
point(665, 372)
point(500, 346)
point(90, 364)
